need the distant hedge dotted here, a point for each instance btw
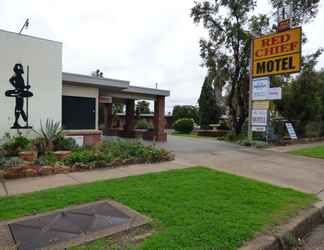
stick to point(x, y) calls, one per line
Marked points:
point(184, 125)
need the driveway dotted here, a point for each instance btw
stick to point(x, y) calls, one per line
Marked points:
point(279, 168)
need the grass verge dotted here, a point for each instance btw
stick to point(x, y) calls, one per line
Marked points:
point(315, 152)
point(194, 208)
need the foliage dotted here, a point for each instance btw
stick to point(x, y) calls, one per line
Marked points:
point(143, 124)
point(40, 145)
point(14, 144)
point(183, 204)
point(50, 132)
point(226, 53)
point(184, 125)
point(46, 160)
point(212, 133)
point(185, 111)
point(63, 143)
point(303, 96)
point(117, 151)
point(303, 11)
point(142, 107)
point(254, 143)
point(313, 129)
point(10, 162)
point(209, 108)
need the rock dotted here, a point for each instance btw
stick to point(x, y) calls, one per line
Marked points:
point(30, 172)
point(2, 172)
point(46, 170)
point(61, 155)
point(62, 169)
point(14, 172)
point(29, 156)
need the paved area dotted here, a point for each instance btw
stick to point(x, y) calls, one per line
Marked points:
point(273, 166)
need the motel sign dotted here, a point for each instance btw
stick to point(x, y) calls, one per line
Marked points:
point(276, 54)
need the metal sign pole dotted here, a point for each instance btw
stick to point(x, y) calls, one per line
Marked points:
point(250, 133)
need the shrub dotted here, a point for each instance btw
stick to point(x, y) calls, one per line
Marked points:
point(50, 132)
point(11, 162)
point(14, 144)
point(212, 133)
point(62, 143)
point(47, 159)
point(117, 151)
point(313, 129)
point(143, 124)
point(184, 126)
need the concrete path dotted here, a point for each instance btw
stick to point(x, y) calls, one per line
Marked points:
point(301, 173)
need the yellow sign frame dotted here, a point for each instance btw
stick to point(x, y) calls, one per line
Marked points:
point(277, 54)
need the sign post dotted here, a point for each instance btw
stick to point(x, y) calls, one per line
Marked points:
point(274, 54)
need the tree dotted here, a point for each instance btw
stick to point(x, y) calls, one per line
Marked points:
point(303, 10)
point(209, 109)
point(185, 111)
point(303, 96)
point(227, 50)
point(143, 107)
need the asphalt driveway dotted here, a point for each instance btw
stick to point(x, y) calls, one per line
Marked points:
point(279, 168)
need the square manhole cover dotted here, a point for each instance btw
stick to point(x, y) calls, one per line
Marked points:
point(63, 226)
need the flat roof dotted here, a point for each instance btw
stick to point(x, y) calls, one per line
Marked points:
point(146, 91)
point(123, 86)
point(94, 81)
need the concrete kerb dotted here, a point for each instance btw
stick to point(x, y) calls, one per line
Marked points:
point(288, 234)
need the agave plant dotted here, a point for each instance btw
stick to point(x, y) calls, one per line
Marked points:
point(49, 133)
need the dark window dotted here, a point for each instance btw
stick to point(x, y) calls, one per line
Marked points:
point(78, 112)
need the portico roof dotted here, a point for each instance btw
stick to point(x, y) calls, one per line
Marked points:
point(120, 88)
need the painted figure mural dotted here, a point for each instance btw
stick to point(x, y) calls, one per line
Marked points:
point(21, 92)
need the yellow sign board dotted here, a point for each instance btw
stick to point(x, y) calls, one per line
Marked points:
point(276, 54)
point(260, 104)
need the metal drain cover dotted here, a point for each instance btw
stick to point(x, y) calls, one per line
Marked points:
point(43, 231)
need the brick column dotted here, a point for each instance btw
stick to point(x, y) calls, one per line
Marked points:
point(159, 119)
point(129, 119)
point(108, 118)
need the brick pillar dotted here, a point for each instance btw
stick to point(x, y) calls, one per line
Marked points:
point(108, 118)
point(129, 119)
point(159, 119)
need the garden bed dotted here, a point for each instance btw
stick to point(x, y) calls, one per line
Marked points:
point(104, 155)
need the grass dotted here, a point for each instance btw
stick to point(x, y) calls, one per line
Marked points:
point(191, 135)
point(195, 208)
point(316, 152)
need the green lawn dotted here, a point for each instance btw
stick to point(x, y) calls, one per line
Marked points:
point(195, 208)
point(317, 152)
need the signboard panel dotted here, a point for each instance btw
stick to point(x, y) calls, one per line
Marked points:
point(279, 53)
point(261, 104)
point(258, 129)
point(260, 88)
point(275, 94)
point(291, 131)
point(259, 117)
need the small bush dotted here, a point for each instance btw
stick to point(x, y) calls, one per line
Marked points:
point(14, 144)
point(212, 133)
point(47, 159)
point(184, 125)
point(63, 143)
point(313, 129)
point(11, 162)
point(116, 152)
point(40, 145)
point(143, 124)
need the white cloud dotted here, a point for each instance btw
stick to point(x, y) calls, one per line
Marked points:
point(143, 41)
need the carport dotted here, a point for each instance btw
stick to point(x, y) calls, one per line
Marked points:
point(83, 95)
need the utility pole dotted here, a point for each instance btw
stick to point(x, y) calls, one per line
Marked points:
point(250, 132)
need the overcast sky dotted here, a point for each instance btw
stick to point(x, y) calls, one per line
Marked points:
point(143, 41)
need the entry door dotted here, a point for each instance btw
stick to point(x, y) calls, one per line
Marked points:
point(78, 112)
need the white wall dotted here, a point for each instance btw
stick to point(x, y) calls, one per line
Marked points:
point(81, 91)
point(44, 58)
